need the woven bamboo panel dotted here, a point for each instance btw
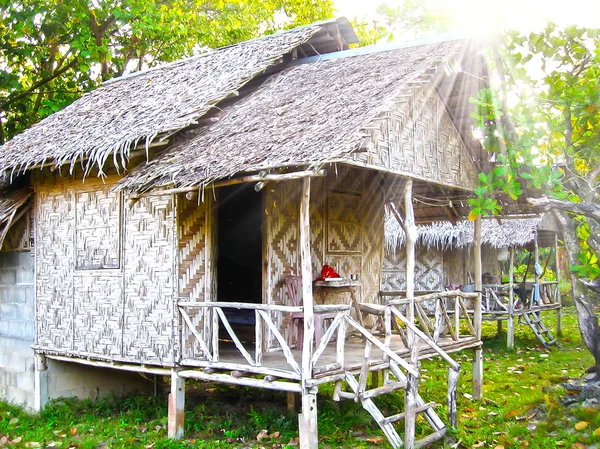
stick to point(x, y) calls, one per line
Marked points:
point(373, 241)
point(282, 210)
point(455, 266)
point(429, 270)
point(97, 217)
point(19, 235)
point(54, 268)
point(318, 202)
point(343, 225)
point(191, 232)
point(150, 316)
point(416, 136)
point(98, 315)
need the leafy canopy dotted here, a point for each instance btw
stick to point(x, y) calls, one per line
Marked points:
point(549, 84)
point(52, 51)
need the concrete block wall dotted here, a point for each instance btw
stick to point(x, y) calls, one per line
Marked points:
point(17, 334)
point(16, 327)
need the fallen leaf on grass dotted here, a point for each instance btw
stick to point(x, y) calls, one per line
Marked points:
point(262, 435)
point(375, 440)
point(293, 442)
point(73, 431)
point(597, 432)
point(581, 425)
point(499, 447)
point(13, 421)
point(578, 446)
point(479, 444)
point(275, 435)
point(3, 440)
point(16, 440)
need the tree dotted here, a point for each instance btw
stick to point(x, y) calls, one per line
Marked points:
point(550, 142)
point(410, 19)
point(52, 51)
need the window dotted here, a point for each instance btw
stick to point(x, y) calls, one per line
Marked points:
point(97, 230)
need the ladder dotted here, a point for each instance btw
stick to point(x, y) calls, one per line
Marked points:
point(534, 320)
point(386, 423)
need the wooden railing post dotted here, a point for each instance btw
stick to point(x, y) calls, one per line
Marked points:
point(510, 326)
point(477, 352)
point(307, 421)
point(176, 406)
point(558, 296)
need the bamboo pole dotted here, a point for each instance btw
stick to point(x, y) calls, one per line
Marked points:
point(477, 316)
point(307, 421)
point(510, 327)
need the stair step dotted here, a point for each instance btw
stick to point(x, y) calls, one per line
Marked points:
point(426, 441)
point(388, 388)
point(399, 416)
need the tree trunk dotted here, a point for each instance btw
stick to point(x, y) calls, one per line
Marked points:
point(588, 321)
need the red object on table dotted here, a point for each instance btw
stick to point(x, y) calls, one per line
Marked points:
point(327, 272)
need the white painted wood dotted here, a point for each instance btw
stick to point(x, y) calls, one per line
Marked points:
point(176, 406)
point(258, 339)
point(40, 383)
point(195, 333)
point(510, 326)
point(244, 381)
point(287, 352)
point(307, 422)
point(229, 366)
point(477, 316)
point(236, 341)
point(452, 385)
point(558, 296)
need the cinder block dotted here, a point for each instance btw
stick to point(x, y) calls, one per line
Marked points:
point(3, 327)
point(12, 293)
point(25, 381)
point(24, 276)
point(16, 330)
point(25, 259)
point(25, 312)
point(29, 330)
point(8, 276)
point(9, 259)
point(8, 311)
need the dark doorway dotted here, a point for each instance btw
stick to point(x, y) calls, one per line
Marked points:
point(239, 273)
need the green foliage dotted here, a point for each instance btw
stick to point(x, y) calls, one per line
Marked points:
point(408, 19)
point(550, 138)
point(52, 51)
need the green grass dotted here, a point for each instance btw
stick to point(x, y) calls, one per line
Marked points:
point(521, 409)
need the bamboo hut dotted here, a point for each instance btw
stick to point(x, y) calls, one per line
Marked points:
point(443, 261)
point(183, 214)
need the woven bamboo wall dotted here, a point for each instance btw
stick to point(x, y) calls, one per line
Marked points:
point(124, 311)
point(416, 136)
point(429, 270)
point(346, 220)
point(192, 237)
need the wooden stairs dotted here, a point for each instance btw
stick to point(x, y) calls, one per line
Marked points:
point(394, 380)
point(534, 320)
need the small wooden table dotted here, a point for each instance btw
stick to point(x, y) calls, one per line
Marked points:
point(343, 286)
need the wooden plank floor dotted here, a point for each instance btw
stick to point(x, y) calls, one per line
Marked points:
point(353, 354)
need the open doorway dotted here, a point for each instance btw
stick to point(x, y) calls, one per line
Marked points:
point(239, 263)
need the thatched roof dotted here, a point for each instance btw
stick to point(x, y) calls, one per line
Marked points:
point(307, 114)
point(13, 204)
point(514, 232)
point(111, 120)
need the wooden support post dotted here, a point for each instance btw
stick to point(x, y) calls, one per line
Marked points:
point(452, 387)
point(40, 393)
point(510, 326)
point(410, 229)
point(536, 298)
point(558, 295)
point(499, 327)
point(176, 406)
point(307, 421)
point(477, 353)
point(411, 395)
point(291, 401)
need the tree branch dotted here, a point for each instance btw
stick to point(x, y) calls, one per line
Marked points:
point(547, 203)
point(39, 84)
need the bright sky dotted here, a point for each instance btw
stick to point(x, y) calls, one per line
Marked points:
point(487, 16)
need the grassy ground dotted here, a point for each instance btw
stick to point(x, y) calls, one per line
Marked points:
point(521, 409)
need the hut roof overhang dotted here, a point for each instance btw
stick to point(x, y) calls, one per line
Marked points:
point(316, 113)
point(14, 203)
point(107, 123)
point(504, 232)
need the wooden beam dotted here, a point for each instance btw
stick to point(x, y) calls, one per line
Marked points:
point(228, 182)
point(307, 421)
point(176, 407)
point(510, 325)
point(558, 295)
point(477, 315)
